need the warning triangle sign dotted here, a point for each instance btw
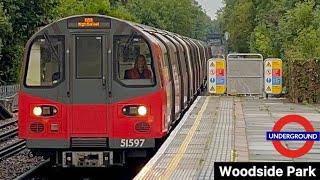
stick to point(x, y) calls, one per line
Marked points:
point(212, 64)
point(268, 64)
point(212, 89)
point(268, 88)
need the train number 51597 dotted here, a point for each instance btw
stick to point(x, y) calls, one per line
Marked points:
point(131, 143)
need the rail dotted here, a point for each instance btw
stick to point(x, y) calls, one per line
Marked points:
point(9, 133)
point(12, 149)
point(12, 129)
point(32, 170)
point(8, 123)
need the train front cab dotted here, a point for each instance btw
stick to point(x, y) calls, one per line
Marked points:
point(78, 103)
point(78, 98)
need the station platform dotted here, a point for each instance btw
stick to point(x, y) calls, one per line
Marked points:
point(226, 129)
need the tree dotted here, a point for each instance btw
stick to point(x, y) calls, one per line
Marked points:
point(261, 41)
point(5, 29)
point(184, 17)
point(5, 26)
point(273, 28)
point(24, 17)
point(300, 30)
point(74, 7)
point(238, 20)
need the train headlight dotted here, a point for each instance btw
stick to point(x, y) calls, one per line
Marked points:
point(45, 110)
point(37, 111)
point(135, 110)
point(142, 110)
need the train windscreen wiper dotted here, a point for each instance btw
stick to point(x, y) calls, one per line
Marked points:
point(56, 76)
point(52, 49)
point(129, 41)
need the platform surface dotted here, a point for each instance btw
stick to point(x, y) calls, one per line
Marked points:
point(226, 129)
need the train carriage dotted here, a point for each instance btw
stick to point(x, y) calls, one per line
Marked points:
point(96, 90)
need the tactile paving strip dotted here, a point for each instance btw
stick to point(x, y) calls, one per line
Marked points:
point(220, 143)
point(157, 171)
point(211, 141)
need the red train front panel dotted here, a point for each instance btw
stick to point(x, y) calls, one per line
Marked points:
point(111, 120)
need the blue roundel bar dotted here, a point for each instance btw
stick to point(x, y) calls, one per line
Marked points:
point(293, 136)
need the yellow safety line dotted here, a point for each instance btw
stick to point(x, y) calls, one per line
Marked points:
point(234, 155)
point(182, 149)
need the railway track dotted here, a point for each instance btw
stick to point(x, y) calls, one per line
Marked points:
point(15, 159)
point(9, 143)
point(8, 133)
point(12, 148)
point(32, 170)
point(8, 122)
point(8, 128)
point(21, 165)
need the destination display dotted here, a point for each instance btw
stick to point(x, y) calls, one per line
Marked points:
point(89, 23)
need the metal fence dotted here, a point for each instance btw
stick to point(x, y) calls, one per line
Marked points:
point(245, 74)
point(8, 91)
point(9, 97)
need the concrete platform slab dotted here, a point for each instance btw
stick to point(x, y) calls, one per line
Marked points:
point(226, 129)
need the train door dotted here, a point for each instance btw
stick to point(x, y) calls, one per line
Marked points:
point(88, 85)
point(172, 54)
point(175, 86)
point(187, 57)
point(183, 71)
point(202, 61)
point(197, 61)
point(193, 66)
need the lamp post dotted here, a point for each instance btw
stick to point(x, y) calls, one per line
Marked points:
point(226, 36)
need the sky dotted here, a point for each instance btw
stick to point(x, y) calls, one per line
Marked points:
point(211, 6)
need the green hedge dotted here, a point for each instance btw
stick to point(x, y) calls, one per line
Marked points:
point(303, 80)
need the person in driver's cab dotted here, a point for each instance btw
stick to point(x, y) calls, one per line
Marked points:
point(139, 71)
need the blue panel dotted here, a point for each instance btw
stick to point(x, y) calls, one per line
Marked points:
point(220, 80)
point(276, 81)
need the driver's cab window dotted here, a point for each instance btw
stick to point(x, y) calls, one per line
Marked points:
point(45, 61)
point(133, 59)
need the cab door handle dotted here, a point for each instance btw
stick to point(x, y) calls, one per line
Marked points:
point(104, 81)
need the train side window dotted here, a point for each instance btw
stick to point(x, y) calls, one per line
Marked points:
point(45, 62)
point(133, 61)
point(166, 66)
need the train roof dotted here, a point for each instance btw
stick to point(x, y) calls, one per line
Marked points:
point(134, 25)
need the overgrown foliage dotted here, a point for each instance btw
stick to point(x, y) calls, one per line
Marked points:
point(181, 16)
point(304, 81)
point(273, 28)
point(5, 29)
point(19, 19)
point(73, 7)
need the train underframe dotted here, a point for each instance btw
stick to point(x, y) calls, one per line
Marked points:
point(91, 157)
